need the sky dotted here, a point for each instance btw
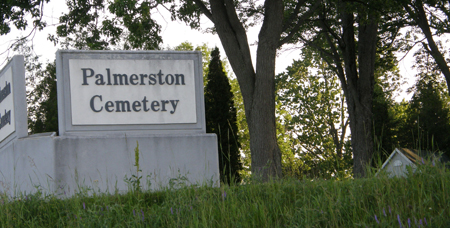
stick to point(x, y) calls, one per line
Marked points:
point(173, 34)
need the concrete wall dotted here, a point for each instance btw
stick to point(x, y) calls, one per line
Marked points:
point(67, 164)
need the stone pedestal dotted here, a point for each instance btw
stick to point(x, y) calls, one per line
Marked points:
point(65, 165)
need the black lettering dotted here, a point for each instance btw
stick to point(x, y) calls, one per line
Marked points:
point(178, 77)
point(152, 79)
point(142, 78)
point(174, 105)
point(136, 104)
point(144, 101)
point(92, 103)
point(85, 76)
point(169, 79)
point(160, 78)
point(108, 74)
point(108, 106)
point(133, 78)
point(163, 104)
point(155, 104)
point(5, 91)
point(99, 80)
point(122, 104)
point(119, 77)
point(5, 119)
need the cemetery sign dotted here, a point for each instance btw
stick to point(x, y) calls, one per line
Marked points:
point(13, 111)
point(124, 91)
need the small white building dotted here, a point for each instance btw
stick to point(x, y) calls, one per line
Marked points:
point(396, 163)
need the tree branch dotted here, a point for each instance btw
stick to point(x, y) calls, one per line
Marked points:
point(301, 20)
point(204, 10)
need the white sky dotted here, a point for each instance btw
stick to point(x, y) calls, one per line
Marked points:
point(172, 32)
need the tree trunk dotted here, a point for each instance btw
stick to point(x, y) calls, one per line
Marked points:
point(258, 88)
point(359, 84)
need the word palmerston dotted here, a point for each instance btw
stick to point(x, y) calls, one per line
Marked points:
point(132, 79)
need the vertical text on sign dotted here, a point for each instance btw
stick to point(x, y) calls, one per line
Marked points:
point(7, 125)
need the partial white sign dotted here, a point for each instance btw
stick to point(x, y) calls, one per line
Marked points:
point(7, 123)
point(110, 92)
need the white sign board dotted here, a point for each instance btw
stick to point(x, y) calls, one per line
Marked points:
point(7, 121)
point(132, 91)
point(13, 106)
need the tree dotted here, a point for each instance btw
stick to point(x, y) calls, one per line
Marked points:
point(351, 50)
point(221, 119)
point(40, 90)
point(427, 124)
point(281, 20)
point(314, 118)
point(43, 117)
point(431, 15)
point(128, 25)
point(206, 55)
point(385, 118)
point(346, 34)
point(15, 12)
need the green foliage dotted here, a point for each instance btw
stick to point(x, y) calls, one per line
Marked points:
point(220, 115)
point(387, 84)
point(206, 55)
point(16, 13)
point(43, 109)
point(41, 91)
point(314, 120)
point(422, 198)
point(427, 124)
point(243, 134)
point(127, 25)
point(135, 180)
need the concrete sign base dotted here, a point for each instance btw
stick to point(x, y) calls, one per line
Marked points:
point(65, 165)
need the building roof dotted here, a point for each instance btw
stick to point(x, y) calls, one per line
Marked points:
point(413, 156)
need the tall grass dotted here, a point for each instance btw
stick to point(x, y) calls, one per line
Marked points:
point(420, 200)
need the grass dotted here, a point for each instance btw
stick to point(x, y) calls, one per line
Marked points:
point(420, 200)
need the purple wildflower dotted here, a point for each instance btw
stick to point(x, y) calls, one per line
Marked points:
point(224, 195)
point(423, 162)
point(84, 206)
point(376, 219)
point(143, 217)
point(75, 216)
point(389, 209)
point(409, 222)
point(425, 220)
point(433, 163)
point(420, 222)
point(399, 222)
point(171, 210)
point(384, 212)
point(134, 212)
